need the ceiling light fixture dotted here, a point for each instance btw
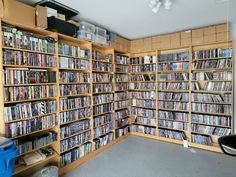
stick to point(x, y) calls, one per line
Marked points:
point(156, 4)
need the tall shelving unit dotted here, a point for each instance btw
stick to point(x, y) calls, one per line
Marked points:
point(103, 95)
point(212, 94)
point(173, 93)
point(143, 92)
point(121, 95)
point(75, 98)
point(29, 96)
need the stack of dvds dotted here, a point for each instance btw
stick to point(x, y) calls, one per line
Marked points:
point(146, 121)
point(173, 86)
point(102, 66)
point(75, 89)
point(74, 103)
point(143, 77)
point(73, 51)
point(174, 57)
point(103, 108)
point(213, 53)
point(173, 125)
point(122, 122)
point(143, 60)
point(173, 96)
point(143, 129)
point(121, 96)
point(144, 95)
point(142, 86)
point(103, 140)
point(179, 106)
point(121, 104)
point(122, 87)
point(202, 139)
point(144, 103)
point(122, 114)
point(143, 112)
point(173, 77)
point(121, 59)
point(102, 98)
point(212, 108)
point(102, 77)
point(102, 88)
point(210, 130)
point(178, 135)
point(122, 131)
point(73, 77)
point(176, 116)
point(102, 130)
point(74, 63)
point(102, 120)
point(216, 75)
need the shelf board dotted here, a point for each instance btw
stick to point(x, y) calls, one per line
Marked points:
point(153, 99)
point(103, 61)
point(122, 126)
point(181, 91)
point(144, 107)
point(144, 81)
point(95, 93)
point(125, 117)
point(173, 110)
point(219, 103)
point(74, 57)
point(26, 50)
point(103, 134)
point(77, 133)
point(21, 168)
point(30, 100)
point(99, 71)
point(74, 147)
point(209, 91)
point(216, 58)
point(77, 120)
point(72, 109)
point(174, 120)
point(219, 114)
point(141, 64)
point(118, 109)
point(107, 82)
point(177, 81)
point(75, 69)
point(73, 83)
point(214, 147)
point(76, 95)
point(211, 80)
point(175, 129)
point(29, 118)
point(34, 132)
point(27, 66)
point(144, 72)
point(137, 123)
point(181, 61)
point(122, 99)
point(122, 64)
point(174, 71)
point(223, 126)
point(150, 117)
point(103, 103)
point(121, 90)
point(103, 124)
point(212, 69)
point(174, 100)
point(32, 84)
point(103, 113)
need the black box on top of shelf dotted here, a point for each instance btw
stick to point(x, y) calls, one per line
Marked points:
point(61, 26)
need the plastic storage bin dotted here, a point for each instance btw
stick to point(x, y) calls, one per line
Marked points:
point(100, 39)
point(86, 27)
point(8, 152)
point(100, 32)
point(85, 35)
point(50, 171)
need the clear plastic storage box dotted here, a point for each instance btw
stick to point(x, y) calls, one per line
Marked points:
point(86, 27)
point(85, 35)
point(100, 32)
point(99, 39)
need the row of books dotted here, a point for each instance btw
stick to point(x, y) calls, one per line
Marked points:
point(208, 97)
point(103, 98)
point(103, 140)
point(28, 76)
point(102, 66)
point(102, 130)
point(69, 76)
point(28, 110)
point(212, 108)
point(143, 112)
point(122, 131)
point(202, 139)
point(35, 142)
point(102, 77)
point(211, 120)
point(75, 115)
point(143, 68)
point(213, 86)
point(178, 135)
point(217, 75)
point(173, 105)
point(104, 108)
point(75, 154)
point(122, 122)
point(98, 55)
point(173, 77)
point(29, 92)
point(74, 63)
point(121, 86)
point(122, 69)
point(100, 88)
point(173, 96)
point(143, 77)
point(75, 141)
point(143, 95)
point(73, 51)
point(173, 86)
point(28, 126)
point(181, 56)
point(74, 89)
point(120, 114)
point(143, 129)
point(210, 130)
point(121, 59)
point(175, 116)
point(13, 57)
point(144, 103)
point(146, 121)
point(102, 120)
point(74, 103)
point(208, 64)
point(213, 53)
point(121, 78)
point(227, 97)
point(142, 86)
point(143, 60)
point(173, 125)
point(17, 38)
point(184, 66)
point(74, 129)
point(121, 96)
point(121, 104)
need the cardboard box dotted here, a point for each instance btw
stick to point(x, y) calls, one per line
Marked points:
point(186, 34)
point(197, 40)
point(51, 12)
point(41, 17)
point(211, 30)
point(224, 36)
point(222, 28)
point(210, 38)
point(19, 13)
point(197, 33)
point(61, 16)
point(185, 42)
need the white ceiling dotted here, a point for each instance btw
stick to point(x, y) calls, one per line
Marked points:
point(134, 19)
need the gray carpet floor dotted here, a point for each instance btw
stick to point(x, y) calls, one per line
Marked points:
point(142, 157)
